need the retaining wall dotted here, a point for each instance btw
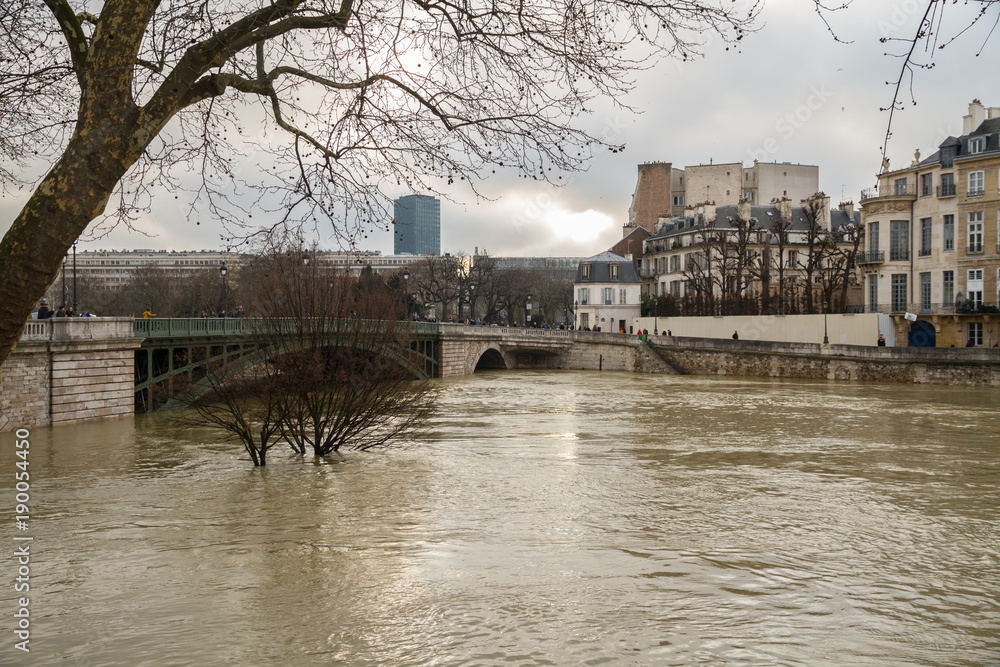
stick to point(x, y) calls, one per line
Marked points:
point(957, 366)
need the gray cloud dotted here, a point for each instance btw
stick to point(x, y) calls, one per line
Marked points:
point(791, 93)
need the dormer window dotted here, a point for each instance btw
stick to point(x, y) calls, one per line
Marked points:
point(585, 271)
point(977, 145)
point(614, 271)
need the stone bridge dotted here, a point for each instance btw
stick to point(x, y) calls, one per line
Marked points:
point(75, 369)
point(466, 349)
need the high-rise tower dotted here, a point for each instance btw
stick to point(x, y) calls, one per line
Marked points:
point(417, 225)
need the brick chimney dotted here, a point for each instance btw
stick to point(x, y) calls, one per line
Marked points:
point(823, 214)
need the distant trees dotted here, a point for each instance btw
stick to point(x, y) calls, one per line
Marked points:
point(331, 365)
point(479, 288)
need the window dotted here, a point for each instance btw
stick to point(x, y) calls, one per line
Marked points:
point(873, 293)
point(975, 231)
point(976, 183)
point(926, 184)
point(614, 271)
point(949, 232)
point(793, 258)
point(899, 240)
point(947, 185)
point(977, 145)
point(974, 286)
point(900, 186)
point(621, 295)
point(898, 292)
point(925, 292)
point(584, 296)
point(609, 296)
point(947, 156)
point(585, 271)
point(873, 237)
point(678, 200)
point(925, 236)
point(976, 333)
point(948, 288)
point(675, 263)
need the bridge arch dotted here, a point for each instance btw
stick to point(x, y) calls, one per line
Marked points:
point(491, 359)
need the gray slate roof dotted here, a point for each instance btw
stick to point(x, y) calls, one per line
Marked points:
point(600, 269)
point(763, 214)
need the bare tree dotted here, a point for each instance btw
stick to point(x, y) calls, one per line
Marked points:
point(332, 99)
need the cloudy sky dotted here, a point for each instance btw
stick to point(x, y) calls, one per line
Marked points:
point(791, 94)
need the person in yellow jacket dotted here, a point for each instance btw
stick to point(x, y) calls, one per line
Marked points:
point(148, 313)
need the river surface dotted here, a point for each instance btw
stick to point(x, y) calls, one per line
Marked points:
point(545, 518)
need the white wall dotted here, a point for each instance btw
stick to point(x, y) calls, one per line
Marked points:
point(859, 329)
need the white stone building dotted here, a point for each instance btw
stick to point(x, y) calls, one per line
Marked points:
point(606, 293)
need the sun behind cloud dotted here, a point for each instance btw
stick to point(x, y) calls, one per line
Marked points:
point(577, 227)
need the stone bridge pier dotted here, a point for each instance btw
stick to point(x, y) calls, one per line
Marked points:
point(69, 369)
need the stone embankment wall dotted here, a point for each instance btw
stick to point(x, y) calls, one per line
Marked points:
point(956, 366)
point(69, 370)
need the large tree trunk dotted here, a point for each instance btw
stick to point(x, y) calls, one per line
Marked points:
point(61, 207)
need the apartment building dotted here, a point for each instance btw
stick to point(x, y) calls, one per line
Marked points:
point(932, 255)
point(752, 261)
point(665, 191)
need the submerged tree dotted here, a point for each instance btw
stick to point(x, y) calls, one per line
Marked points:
point(330, 364)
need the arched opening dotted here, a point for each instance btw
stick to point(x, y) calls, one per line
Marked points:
point(922, 334)
point(491, 360)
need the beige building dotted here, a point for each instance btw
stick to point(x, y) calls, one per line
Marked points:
point(683, 259)
point(664, 191)
point(933, 238)
point(110, 269)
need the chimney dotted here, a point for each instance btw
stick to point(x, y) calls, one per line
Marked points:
point(847, 207)
point(975, 117)
point(823, 213)
point(993, 112)
point(744, 209)
point(784, 206)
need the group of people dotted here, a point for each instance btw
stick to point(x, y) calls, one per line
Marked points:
point(44, 312)
point(236, 312)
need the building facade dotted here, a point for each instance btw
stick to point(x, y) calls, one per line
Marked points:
point(663, 191)
point(745, 251)
point(932, 255)
point(417, 225)
point(606, 293)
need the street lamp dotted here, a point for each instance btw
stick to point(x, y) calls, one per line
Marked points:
point(305, 258)
point(223, 271)
point(472, 305)
point(406, 281)
point(656, 316)
point(527, 308)
point(826, 338)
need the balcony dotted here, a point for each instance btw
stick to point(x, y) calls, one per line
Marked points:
point(906, 191)
point(925, 252)
point(974, 249)
point(947, 190)
point(870, 257)
point(976, 192)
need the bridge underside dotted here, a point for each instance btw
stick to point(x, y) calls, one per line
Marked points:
point(165, 368)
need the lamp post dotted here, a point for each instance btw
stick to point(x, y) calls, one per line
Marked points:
point(472, 301)
point(576, 307)
point(527, 309)
point(826, 338)
point(406, 281)
point(74, 278)
point(656, 316)
point(223, 271)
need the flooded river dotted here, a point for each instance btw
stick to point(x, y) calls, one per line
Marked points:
point(545, 518)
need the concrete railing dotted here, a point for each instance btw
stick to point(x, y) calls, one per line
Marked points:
point(61, 329)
